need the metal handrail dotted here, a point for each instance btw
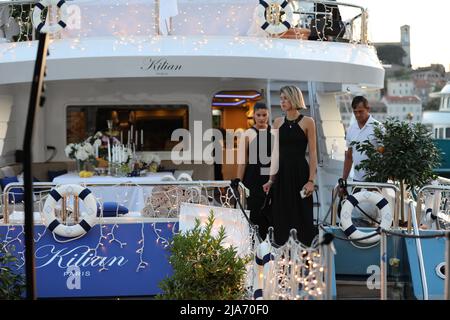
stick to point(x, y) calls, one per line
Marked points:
point(420, 194)
point(369, 185)
point(419, 250)
point(362, 15)
point(447, 268)
point(197, 183)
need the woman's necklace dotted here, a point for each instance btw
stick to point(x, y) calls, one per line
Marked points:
point(291, 122)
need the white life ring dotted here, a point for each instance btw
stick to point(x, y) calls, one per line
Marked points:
point(89, 219)
point(346, 215)
point(45, 27)
point(266, 24)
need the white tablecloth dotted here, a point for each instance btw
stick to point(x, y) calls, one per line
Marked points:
point(132, 197)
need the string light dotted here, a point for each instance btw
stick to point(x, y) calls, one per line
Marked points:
point(294, 271)
point(113, 237)
point(142, 264)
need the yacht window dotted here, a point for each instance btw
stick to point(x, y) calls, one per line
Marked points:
point(447, 133)
point(441, 133)
point(151, 125)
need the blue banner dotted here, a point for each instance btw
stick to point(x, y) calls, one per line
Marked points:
point(110, 260)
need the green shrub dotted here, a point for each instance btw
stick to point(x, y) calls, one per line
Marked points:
point(203, 269)
point(12, 284)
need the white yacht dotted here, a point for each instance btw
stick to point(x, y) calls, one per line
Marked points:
point(152, 66)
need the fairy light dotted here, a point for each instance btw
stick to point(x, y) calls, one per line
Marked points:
point(142, 264)
point(40, 235)
point(113, 237)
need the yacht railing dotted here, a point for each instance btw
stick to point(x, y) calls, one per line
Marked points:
point(423, 274)
point(321, 20)
point(438, 190)
point(216, 193)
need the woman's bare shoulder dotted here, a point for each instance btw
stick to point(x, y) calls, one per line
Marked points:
point(308, 121)
point(277, 123)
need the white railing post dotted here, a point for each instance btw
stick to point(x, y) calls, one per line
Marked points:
point(383, 265)
point(447, 267)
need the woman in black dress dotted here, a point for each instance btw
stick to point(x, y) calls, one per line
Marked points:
point(254, 165)
point(290, 172)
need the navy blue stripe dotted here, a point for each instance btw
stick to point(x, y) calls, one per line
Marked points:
point(85, 225)
point(60, 3)
point(258, 293)
point(40, 6)
point(433, 216)
point(265, 25)
point(263, 3)
point(40, 26)
point(352, 200)
point(62, 23)
point(429, 210)
point(287, 24)
point(55, 195)
point(259, 261)
point(268, 257)
point(349, 231)
point(84, 193)
point(53, 225)
point(383, 202)
point(284, 4)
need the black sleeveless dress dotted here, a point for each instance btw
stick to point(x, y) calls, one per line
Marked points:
point(289, 210)
point(254, 177)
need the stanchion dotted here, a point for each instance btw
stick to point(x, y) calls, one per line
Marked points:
point(383, 265)
point(447, 267)
point(328, 252)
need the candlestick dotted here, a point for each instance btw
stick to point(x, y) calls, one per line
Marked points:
point(109, 151)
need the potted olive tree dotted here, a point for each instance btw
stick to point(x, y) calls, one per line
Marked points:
point(404, 153)
point(203, 269)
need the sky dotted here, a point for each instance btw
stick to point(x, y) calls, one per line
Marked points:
point(429, 21)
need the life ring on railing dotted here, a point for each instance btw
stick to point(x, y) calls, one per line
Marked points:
point(45, 27)
point(274, 8)
point(89, 219)
point(346, 215)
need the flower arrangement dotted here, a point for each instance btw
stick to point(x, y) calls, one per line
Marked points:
point(150, 161)
point(82, 151)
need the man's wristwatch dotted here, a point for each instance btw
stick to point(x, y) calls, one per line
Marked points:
point(312, 181)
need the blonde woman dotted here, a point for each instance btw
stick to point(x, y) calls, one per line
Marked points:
point(290, 173)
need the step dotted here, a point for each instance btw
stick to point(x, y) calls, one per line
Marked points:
point(358, 290)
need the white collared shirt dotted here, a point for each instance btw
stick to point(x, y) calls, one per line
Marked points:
point(354, 133)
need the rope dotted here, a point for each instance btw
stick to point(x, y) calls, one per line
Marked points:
point(413, 236)
point(252, 225)
point(376, 232)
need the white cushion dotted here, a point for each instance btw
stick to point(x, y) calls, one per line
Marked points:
point(177, 174)
point(8, 171)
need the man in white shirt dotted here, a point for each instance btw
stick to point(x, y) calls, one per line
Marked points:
point(359, 131)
